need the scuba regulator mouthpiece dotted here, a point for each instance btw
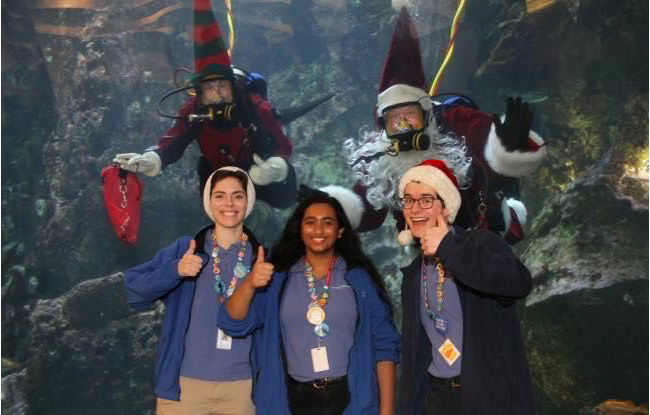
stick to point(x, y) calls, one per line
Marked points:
point(410, 141)
point(220, 114)
point(201, 117)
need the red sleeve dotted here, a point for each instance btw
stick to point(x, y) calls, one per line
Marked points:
point(180, 127)
point(472, 124)
point(172, 145)
point(515, 231)
point(265, 115)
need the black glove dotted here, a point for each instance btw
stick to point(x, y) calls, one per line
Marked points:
point(514, 130)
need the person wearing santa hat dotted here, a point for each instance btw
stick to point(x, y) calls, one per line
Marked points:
point(463, 352)
point(232, 126)
point(325, 342)
point(487, 153)
point(199, 369)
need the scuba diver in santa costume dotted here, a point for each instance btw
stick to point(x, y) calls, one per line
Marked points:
point(487, 153)
point(233, 123)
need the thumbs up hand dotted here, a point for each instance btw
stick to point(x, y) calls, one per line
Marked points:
point(433, 235)
point(262, 271)
point(190, 264)
point(271, 170)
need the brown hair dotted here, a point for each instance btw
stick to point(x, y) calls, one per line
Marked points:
point(219, 175)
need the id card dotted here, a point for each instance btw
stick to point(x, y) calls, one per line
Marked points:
point(449, 352)
point(319, 359)
point(224, 341)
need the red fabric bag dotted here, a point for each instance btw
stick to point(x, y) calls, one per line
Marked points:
point(122, 192)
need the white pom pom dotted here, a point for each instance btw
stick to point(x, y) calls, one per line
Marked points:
point(405, 237)
point(399, 4)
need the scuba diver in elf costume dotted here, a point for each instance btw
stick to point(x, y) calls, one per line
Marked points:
point(486, 153)
point(233, 123)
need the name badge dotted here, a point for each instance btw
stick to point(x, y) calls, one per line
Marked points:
point(449, 352)
point(319, 359)
point(224, 341)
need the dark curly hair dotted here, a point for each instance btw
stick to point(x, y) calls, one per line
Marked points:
point(290, 248)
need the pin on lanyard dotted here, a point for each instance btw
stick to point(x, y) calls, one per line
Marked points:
point(315, 311)
point(440, 323)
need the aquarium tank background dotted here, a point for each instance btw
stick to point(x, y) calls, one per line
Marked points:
point(81, 80)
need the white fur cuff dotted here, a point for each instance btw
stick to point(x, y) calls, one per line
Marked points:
point(520, 211)
point(350, 201)
point(513, 163)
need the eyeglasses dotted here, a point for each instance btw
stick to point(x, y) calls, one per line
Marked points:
point(424, 202)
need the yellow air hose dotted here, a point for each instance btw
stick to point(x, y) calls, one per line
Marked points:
point(450, 48)
point(231, 26)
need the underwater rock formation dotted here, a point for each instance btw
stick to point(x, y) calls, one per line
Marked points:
point(88, 353)
point(589, 236)
point(586, 320)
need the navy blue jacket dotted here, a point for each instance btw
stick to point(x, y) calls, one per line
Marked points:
point(375, 339)
point(495, 378)
point(158, 279)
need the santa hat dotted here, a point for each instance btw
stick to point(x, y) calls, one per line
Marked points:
point(350, 202)
point(211, 58)
point(436, 174)
point(402, 79)
point(207, 190)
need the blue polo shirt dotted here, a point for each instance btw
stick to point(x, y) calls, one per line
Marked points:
point(298, 334)
point(202, 360)
point(453, 315)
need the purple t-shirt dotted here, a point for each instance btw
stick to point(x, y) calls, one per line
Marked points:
point(202, 360)
point(298, 334)
point(453, 316)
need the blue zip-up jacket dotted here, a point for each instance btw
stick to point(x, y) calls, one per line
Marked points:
point(158, 279)
point(375, 339)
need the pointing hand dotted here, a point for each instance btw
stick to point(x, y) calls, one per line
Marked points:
point(433, 234)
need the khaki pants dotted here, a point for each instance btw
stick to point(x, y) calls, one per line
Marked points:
point(202, 397)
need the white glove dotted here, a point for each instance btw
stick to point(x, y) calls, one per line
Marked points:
point(148, 163)
point(263, 172)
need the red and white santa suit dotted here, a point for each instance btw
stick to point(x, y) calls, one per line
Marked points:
point(465, 138)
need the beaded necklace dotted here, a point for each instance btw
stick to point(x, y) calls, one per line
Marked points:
point(315, 311)
point(239, 272)
point(440, 323)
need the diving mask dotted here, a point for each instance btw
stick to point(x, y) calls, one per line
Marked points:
point(403, 119)
point(216, 91)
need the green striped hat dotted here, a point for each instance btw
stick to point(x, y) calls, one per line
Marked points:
point(211, 58)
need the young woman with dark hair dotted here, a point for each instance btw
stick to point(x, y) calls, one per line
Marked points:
point(324, 336)
point(199, 369)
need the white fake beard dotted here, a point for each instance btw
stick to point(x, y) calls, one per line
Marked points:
point(381, 176)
